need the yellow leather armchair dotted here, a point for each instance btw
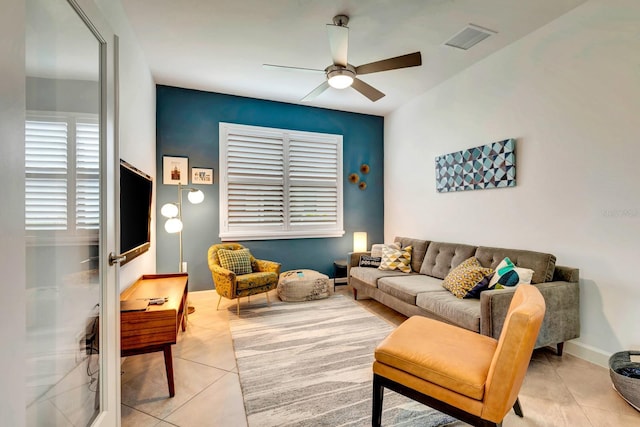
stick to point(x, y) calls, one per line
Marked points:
point(262, 279)
point(469, 376)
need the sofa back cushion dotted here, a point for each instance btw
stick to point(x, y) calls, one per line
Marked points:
point(442, 257)
point(542, 264)
point(418, 251)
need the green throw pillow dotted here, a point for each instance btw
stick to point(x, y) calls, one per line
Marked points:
point(465, 277)
point(238, 261)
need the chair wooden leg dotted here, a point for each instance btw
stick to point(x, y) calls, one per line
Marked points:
point(238, 306)
point(560, 347)
point(378, 394)
point(218, 306)
point(517, 408)
point(268, 302)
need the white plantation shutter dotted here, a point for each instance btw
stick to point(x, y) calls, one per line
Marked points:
point(313, 182)
point(255, 173)
point(46, 175)
point(87, 175)
point(279, 184)
point(62, 173)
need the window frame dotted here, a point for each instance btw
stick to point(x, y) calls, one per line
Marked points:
point(72, 234)
point(288, 229)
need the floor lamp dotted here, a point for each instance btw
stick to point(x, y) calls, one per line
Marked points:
point(173, 211)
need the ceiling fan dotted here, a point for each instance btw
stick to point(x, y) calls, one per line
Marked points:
point(340, 74)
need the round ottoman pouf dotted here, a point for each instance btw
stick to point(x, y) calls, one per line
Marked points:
point(303, 285)
point(625, 376)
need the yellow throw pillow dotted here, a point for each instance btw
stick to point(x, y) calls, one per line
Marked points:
point(396, 259)
point(465, 276)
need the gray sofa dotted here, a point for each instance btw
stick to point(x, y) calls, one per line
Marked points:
point(421, 293)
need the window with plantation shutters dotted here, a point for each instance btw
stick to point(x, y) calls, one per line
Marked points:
point(62, 193)
point(279, 184)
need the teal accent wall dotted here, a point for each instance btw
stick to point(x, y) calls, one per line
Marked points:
point(187, 125)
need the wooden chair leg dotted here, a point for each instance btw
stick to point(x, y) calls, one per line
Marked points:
point(238, 306)
point(378, 394)
point(560, 347)
point(268, 302)
point(218, 306)
point(517, 408)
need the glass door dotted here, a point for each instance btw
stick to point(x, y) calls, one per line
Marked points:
point(72, 375)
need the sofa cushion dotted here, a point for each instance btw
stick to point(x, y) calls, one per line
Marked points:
point(461, 312)
point(465, 277)
point(370, 276)
point(507, 275)
point(542, 264)
point(417, 254)
point(406, 287)
point(442, 257)
point(396, 259)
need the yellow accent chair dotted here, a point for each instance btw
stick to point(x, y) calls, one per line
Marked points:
point(262, 279)
point(469, 376)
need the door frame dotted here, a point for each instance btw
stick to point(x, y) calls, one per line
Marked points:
point(109, 348)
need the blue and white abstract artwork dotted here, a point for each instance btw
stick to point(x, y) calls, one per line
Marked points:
point(488, 166)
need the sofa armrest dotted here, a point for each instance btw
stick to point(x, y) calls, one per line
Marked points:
point(561, 320)
point(353, 259)
point(268, 266)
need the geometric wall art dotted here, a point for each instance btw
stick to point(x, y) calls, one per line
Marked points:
point(487, 166)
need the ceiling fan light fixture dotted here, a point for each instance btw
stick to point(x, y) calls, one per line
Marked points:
point(340, 77)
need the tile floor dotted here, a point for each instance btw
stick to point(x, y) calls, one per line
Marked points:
point(565, 391)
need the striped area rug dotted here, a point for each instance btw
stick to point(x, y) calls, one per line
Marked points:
point(309, 364)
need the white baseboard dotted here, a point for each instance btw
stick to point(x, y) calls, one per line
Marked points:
point(588, 353)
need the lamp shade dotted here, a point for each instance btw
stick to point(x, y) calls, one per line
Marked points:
point(173, 225)
point(195, 196)
point(360, 241)
point(169, 210)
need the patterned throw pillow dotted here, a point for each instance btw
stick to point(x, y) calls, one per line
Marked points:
point(465, 277)
point(369, 261)
point(481, 286)
point(238, 261)
point(507, 274)
point(376, 250)
point(396, 259)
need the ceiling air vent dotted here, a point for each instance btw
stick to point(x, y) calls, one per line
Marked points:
point(469, 36)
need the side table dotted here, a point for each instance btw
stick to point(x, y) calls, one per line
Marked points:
point(339, 272)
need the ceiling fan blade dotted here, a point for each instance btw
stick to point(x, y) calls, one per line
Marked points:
point(317, 91)
point(367, 90)
point(338, 43)
point(284, 67)
point(404, 61)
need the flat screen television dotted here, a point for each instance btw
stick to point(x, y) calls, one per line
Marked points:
point(136, 189)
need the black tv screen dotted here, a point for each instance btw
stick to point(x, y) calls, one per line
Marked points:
point(135, 211)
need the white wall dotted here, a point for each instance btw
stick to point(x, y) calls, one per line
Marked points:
point(137, 122)
point(570, 94)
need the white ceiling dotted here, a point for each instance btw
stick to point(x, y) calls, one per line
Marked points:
point(220, 45)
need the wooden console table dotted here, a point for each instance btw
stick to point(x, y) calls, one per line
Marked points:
point(155, 328)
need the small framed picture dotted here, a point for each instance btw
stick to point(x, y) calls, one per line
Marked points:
point(175, 170)
point(201, 176)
